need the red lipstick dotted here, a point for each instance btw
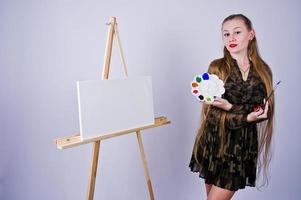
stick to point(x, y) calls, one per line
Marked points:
point(232, 45)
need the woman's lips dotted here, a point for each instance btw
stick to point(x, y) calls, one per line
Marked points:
point(232, 45)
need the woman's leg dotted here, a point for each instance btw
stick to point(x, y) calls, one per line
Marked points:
point(217, 193)
point(208, 188)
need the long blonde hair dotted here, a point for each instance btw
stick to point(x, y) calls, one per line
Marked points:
point(221, 67)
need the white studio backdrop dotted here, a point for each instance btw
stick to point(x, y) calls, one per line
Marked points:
point(46, 46)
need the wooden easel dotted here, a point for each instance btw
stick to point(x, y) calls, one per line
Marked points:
point(76, 140)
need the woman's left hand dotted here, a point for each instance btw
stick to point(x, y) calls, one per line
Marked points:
point(259, 114)
point(222, 103)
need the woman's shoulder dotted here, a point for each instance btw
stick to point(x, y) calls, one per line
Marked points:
point(266, 68)
point(216, 62)
point(215, 65)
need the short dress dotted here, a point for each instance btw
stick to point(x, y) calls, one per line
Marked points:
point(237, 168)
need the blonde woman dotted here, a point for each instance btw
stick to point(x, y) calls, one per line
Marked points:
point(233, 143)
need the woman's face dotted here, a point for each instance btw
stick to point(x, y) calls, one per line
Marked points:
point(236, 36)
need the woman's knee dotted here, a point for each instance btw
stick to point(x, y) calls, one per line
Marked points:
point(217, 193)
point(208, 188)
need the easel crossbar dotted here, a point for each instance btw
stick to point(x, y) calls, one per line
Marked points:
point(76, 140)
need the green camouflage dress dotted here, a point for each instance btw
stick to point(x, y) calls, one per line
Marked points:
point(237, 168)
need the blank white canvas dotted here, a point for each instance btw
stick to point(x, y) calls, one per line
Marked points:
point(108, 106)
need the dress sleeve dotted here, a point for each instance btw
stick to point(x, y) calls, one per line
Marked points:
point(241, 108)
point(232, 120)
point(256, 98)
point(236, 117)
point(235, 121)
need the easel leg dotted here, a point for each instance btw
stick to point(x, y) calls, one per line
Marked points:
point(146, 171)
point(93, 170)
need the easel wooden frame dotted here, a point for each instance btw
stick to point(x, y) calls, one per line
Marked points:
point(76, 140)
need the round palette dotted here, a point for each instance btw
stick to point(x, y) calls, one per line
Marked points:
point(207, 86)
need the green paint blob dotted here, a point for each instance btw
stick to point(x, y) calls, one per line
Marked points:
point(198, 79)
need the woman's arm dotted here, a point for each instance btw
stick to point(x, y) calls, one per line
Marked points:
point(232, 121)
point(235, 120)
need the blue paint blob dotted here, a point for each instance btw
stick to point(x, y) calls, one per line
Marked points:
point(205, 76)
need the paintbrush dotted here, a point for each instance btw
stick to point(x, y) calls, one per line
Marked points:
point(256, 108)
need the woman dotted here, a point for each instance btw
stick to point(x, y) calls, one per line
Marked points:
point(236, 130)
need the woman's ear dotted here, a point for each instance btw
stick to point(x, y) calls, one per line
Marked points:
point(251, 34)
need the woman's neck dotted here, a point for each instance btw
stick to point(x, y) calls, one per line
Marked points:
point(241, 58)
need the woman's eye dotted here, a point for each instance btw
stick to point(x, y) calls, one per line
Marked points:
point(226, 34)
point(237, 32)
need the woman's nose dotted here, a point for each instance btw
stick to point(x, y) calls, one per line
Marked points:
point(232, 38)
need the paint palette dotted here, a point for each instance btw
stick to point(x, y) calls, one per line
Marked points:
point(207, 86)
